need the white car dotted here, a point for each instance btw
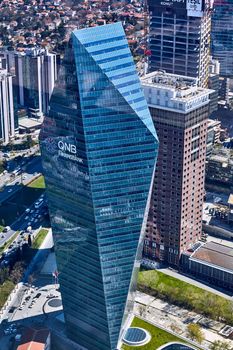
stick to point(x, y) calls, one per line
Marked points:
point(27, 210)
point(10, 190)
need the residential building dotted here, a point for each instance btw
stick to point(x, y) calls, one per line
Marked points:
point(179, 110)
point(36, 337)
point(213, 84)
point(99, 148)
point(219, 168)
point(230, 213)
point(222, 36)
point(224, 89)
point(213, 135)
point(180, 38)
point(35, 73)
point(8, 113)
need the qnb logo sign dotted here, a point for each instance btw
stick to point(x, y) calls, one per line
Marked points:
point(68, 151)
point(67, 147)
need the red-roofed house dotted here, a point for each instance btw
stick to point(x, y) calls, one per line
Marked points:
point(36, 338)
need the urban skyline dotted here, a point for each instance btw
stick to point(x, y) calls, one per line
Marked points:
point(100, 249)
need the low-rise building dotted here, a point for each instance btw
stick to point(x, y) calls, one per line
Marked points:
point(219, 168)
point(230, 213)
point(212, 262)
point(213, 135)
point(37, 338)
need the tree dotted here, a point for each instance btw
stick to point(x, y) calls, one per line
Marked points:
point(141, 310)
point(17, 272)
point(29, 142)
point(220, 345)
point(29, 240)
point(195, 332)
point(2, 166)
point(4, 274)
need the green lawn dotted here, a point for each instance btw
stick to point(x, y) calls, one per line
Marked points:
point(1, 228)
point(5, 289)
point(184, 294)
point(39, 238)
point(158, 336)
point(38, 183)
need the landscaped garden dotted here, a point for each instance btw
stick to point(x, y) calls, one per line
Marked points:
point(186, 295)
point(159, 337)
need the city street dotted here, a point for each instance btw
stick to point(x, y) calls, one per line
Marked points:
point(31, 171)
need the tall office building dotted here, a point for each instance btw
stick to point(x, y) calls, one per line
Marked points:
point(99, 148)
point(7, 108)
point(180, 37)
point(35, 73)
point(214, 84)
point(179, 110)
point(222, 36)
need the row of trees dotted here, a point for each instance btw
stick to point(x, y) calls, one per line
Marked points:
point(14, 275)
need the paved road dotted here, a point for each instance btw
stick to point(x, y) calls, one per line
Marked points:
point(12, 164)
point(31, 171)
point(22, 223)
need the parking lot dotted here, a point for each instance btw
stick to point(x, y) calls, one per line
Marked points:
point(32, 304)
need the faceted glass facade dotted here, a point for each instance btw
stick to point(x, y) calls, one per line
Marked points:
point(99, 149)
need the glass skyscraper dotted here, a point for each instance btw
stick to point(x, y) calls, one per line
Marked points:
point(180, 37)
point(99, 149)
point(222, 35)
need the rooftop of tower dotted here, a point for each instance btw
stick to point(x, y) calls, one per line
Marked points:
point(174, 92)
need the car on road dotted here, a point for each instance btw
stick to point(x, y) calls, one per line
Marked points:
point(6, 229)
point(11, 310)
point(10, 190)
point(27, 210)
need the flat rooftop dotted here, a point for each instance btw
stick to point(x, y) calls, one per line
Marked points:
point(179, 82)
point(29, 123)
point(173, 92)
point(215, 254)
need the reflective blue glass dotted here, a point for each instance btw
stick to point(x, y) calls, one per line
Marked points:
point(99, 149)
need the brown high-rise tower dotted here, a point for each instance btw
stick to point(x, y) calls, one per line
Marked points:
point(179, 110)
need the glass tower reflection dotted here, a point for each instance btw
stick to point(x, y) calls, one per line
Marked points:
point(99, 149)
point(222, 35)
